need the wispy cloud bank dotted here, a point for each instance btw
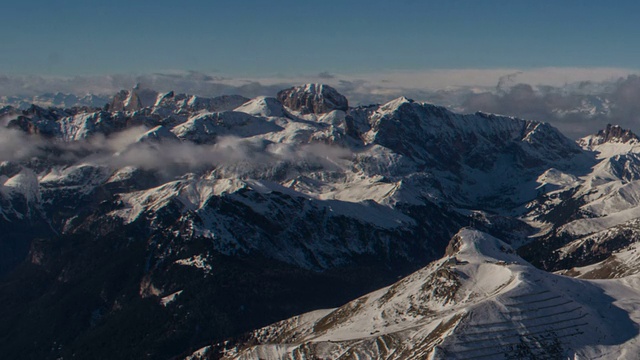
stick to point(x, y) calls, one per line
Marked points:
point(577, 110)
point(380, 82)
point(230, 155)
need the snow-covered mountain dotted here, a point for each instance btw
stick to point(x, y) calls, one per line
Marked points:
point(479, 301)
point(230, 213)
point(586, 218)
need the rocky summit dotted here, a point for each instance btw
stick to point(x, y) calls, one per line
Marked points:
point(313, 99)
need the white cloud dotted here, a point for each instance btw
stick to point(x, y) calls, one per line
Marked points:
point(385, 82)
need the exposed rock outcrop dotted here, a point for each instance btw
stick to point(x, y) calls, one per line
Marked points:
point(313, 99)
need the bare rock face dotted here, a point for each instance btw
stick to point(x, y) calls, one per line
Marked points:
point(313, 99)
point(612, 133)
point(133, 100)
point(616, 133)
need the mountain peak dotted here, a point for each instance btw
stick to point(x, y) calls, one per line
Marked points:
point(485, 302)
point(262, 106)
point(615, 133)
point(473, 245)
point(313, 99)
point(610, 134)
point(134, 99)
point(396, 103)
point(157, 134)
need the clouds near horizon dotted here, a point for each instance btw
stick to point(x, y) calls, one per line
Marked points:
point(577, 101)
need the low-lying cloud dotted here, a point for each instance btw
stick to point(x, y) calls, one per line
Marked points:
point(231, 156)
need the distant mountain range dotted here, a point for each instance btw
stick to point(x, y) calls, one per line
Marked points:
point(157, 224)
point(55, 100)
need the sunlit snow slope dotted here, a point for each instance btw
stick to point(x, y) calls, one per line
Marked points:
point(481, 301)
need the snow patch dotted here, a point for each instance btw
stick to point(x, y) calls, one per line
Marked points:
point(170, 298)
point(197, 261)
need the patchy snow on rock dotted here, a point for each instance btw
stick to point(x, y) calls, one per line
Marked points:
point(166, 300)
point(197, 261)
point(200, 354)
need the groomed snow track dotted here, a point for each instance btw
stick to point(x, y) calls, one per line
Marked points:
point(535, 327)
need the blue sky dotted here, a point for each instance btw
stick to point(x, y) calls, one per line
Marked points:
point(270, 38)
